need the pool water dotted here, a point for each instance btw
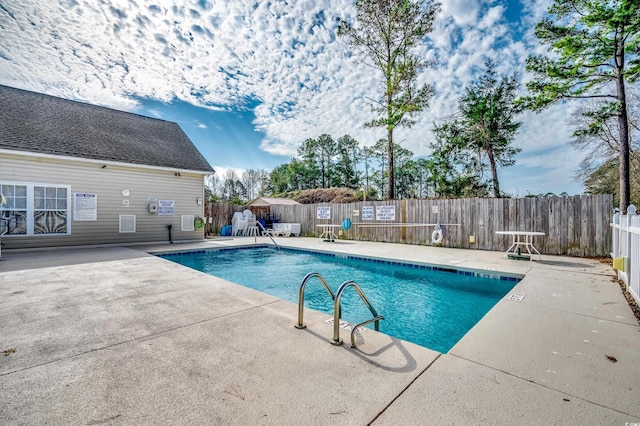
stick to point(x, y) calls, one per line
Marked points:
point(432, 308)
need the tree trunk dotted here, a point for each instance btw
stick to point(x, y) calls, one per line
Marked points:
point(390, 168)
point(623, 129)
point(494, 171)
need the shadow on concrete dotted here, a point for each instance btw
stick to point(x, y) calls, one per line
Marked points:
point(565, 264)
point(410, 364)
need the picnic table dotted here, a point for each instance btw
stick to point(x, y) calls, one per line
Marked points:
point(522, 239)
point(327, 232)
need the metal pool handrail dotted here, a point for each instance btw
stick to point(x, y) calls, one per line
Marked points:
point(337, 311)
point(268, 235)
point(363, 323)
point(310, 275)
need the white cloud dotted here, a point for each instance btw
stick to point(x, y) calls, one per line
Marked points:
point(283, 55)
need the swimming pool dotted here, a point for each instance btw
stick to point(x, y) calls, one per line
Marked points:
point(428, 305)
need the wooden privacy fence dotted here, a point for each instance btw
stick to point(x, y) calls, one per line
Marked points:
point(219, 215)
point(574, 226)
point(626, 245)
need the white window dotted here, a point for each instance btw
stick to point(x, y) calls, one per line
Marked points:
point(50, 209)
point(35, 209)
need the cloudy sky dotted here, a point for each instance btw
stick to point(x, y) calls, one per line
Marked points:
point(248, 81)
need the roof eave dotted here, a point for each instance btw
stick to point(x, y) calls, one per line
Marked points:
point(103, 162)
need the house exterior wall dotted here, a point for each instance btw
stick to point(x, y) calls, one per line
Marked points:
point(84, 176)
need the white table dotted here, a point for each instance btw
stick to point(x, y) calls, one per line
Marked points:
point(327, 232)
point(522, 238)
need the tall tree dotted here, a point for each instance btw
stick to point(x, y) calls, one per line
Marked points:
point(348, 155)
point(594, 51)
point(253, 180)
point(307, 151)
point(404, 170)
point(385, 34)
point(213, 183)
point(319, 156)
point(380, 153)
point(486, 127)
point(454, 170)
point(367, 154)
point(422, 178)
point(279, 180)
point(233, 189)
point(603, 179)
point(596, 134)
point(325, 148)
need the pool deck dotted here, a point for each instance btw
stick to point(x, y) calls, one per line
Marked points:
point(113, 335)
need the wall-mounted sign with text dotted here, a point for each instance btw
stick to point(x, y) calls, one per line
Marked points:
point(166, 207)
point(85, 206)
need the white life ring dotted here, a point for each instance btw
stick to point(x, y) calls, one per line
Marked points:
point(436, 236)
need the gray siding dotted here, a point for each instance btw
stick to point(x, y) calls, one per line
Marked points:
point(107, 183)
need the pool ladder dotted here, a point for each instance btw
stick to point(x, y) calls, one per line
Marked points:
point(337, 310)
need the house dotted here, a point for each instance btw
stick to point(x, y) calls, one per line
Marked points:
point(72, 173)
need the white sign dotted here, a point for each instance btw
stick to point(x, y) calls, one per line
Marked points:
point(386, 212)
point(434, 209)
point(166, 207)
point(367, 213)
point(85, 206)
point(356, 212)
point(324, 212)
point(125, 203)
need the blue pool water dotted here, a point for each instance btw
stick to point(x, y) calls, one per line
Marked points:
point(432, 308)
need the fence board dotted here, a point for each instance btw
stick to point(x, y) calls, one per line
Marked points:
point(575, 226)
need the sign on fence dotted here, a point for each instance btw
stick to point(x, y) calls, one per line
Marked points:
point(367, 213)
point(324, 212)
point(587, 234)
point(386, 212)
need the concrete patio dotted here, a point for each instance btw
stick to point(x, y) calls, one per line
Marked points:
point(114, 335)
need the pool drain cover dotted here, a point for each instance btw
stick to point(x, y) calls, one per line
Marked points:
point(516, 297)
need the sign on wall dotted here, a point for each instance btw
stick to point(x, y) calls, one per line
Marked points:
point(324, 213)
point(166, 207)
point(85, 206)
point(386, 212)
point(367, 213)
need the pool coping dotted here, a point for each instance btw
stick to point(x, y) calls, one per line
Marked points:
point(367, 259)
point(505, 276)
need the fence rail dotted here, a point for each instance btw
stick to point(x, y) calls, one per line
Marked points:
point(574, 226)
point(625, 243)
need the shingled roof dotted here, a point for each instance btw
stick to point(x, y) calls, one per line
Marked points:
point(37, 123)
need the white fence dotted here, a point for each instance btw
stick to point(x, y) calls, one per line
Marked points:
point(626, 244)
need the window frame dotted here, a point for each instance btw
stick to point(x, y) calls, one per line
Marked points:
point(31, 210)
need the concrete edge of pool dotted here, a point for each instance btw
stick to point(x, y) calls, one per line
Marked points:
point(115, 336)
